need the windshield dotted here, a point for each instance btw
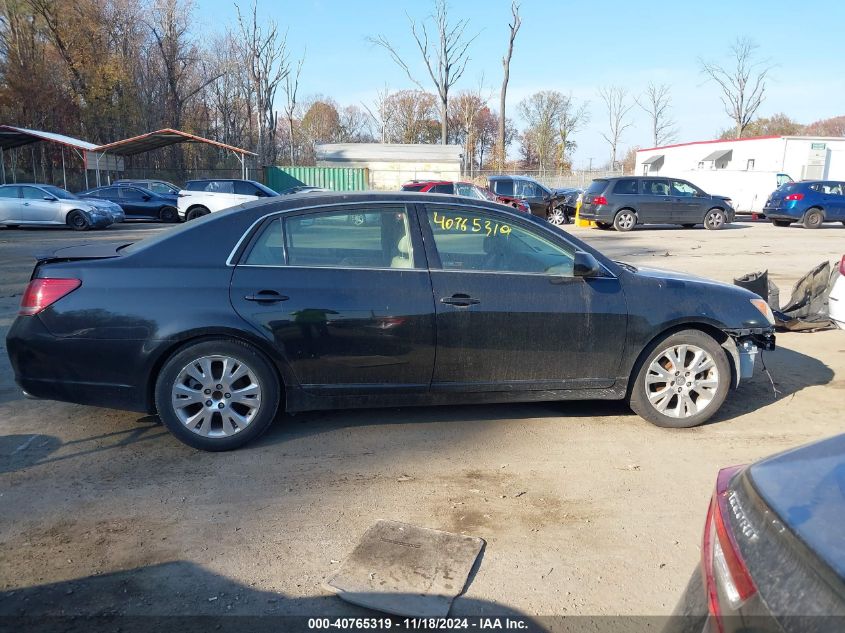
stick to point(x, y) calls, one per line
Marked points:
point(61, 194)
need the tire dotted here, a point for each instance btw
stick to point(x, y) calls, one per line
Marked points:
point(196, 212)
point(714, 219)
point(688, 226)
point(625, 220)
point(813, 219)
point(168, 214)
point(194, 373)
point(77, 221)
point(781, 222)
point(711, 384)
point(557, 216)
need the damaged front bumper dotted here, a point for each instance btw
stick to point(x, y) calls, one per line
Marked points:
point(743, 345)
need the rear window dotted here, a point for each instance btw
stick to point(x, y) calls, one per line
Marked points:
point(445, 188)
point(625, 186)
point(597, 186)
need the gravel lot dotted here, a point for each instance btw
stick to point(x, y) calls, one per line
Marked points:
point(585, 508)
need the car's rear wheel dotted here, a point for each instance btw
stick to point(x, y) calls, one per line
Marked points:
point(196, 212)
point(557, 216)
point(682, 381)
point(625, 220)
point(168, 214)
point(217, 395)
point(714, 220)
point(813, 219)
point(781, 222)
point(77, 221)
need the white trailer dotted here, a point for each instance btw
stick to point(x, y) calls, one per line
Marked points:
point(747, 170)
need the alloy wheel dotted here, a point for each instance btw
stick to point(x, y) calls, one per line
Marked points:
point(682, 381)
point(625, 220)
point(557, 216)
point(714, 220)
point(216, 396)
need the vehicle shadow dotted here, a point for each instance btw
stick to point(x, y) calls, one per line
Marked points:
point(181, 595)
point(790, 372)
point(22, 451)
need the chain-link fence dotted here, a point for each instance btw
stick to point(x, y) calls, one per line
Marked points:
point(579, 179)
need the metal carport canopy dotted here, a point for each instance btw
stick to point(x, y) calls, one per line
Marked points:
point(12, 137)
point(163, 138)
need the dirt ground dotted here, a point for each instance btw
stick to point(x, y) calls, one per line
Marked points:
point(584, 507)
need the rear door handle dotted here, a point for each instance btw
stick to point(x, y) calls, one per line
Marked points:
point(460, 300)
point(267, 296)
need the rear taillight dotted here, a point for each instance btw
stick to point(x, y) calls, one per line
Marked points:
point(795, 196)
point(41, 293)
point(599, 200)
point(725, 573)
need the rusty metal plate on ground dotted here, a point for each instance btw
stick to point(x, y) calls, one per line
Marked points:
point(407, 570)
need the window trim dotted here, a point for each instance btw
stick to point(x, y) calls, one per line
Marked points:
point(256, 229)
point(433, 255)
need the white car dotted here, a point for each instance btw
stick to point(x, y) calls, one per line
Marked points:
point(836, 305)
point(201, 197)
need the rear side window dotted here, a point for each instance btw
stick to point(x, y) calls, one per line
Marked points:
point(503, 187)
point(625, 186)
point(268, 249)
point(9, 192)
point(130, 193)
point(213, 186)
point(444, 188)
point(597, 186)
point(365, 238)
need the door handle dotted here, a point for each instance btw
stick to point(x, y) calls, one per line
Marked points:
point(267, 296)
point(460, 300)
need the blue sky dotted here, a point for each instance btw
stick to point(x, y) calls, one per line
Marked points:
point(576, 47)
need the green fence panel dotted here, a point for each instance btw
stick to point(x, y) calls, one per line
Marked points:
point(280, 178)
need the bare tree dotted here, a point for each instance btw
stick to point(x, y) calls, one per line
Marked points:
point(657, 103)
point(291, 87)
point(381, 115)
point(268, 64)
point(743, 85)
point(445, 60)
point(618, 109)
point(571, 119)
point(506, 65)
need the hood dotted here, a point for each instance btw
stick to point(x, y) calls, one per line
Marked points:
point(108, 205)
point(673, 275)
point(806, 489)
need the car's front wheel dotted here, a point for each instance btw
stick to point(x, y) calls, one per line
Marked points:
point(682, 381)
point(557, 216)
point(168, 214)
point(714, 220)
point(625, 220)
point(195, 213)
point(77, 221)
point(217, 395)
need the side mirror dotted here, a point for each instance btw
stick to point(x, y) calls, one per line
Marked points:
point(585, 265)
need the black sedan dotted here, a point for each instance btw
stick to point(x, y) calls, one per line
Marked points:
point(773, 554)
point(138, 203)
point(286, 303)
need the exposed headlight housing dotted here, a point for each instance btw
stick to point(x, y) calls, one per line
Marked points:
point(764, 309)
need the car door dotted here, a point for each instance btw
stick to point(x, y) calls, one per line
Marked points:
point(834, 200)
point(36, 208)
point(348, 305)
point(534, 195)
point(510, 313)
point(687, 206)
point(137, 203)
point(655, 204)
point(10, 204)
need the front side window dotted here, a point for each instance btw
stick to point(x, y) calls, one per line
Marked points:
point(526, 189)
point(469, 240)
point(684, 189)
point(160, 187)
point(655, 187)
point(360, 238)
point(216, 186)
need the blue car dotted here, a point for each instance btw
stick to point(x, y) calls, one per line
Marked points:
point(810, 202)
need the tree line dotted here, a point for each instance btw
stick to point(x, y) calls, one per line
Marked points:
point(103, 70)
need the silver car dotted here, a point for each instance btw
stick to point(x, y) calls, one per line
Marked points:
point(31, 204)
